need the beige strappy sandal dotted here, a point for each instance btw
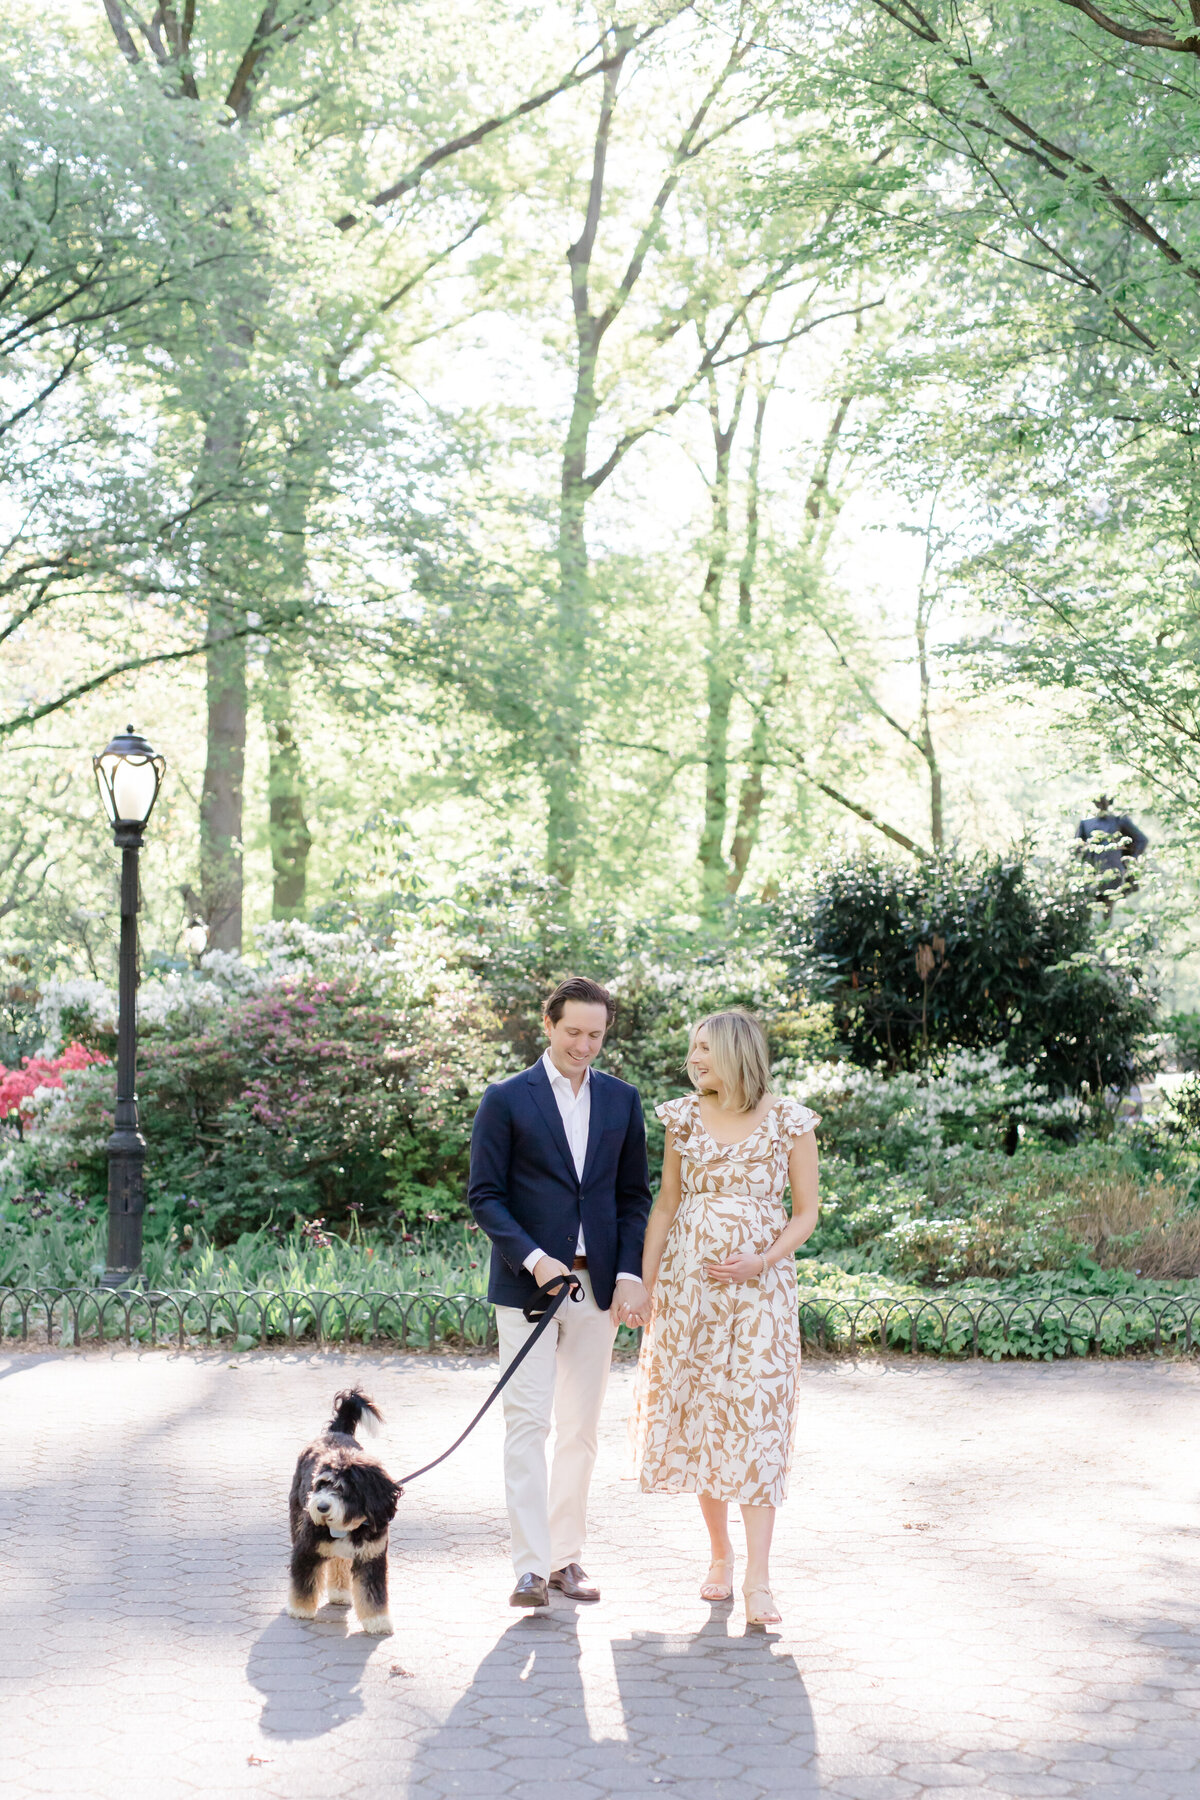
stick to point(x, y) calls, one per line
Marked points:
point(761, 1610)
point(711, 1590)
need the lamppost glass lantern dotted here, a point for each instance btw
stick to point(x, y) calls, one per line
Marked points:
point(128, 775)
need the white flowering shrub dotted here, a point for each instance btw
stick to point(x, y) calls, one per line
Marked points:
point(908, 1119)
point(74, 1008)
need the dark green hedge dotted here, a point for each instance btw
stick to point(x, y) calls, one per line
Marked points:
point(921, 957)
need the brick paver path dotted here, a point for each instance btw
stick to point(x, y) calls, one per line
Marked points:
point(988, 1576)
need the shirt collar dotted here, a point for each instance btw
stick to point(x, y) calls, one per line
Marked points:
point(556, 1076)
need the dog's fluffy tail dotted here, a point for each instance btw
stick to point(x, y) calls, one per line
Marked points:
point(351, 1408)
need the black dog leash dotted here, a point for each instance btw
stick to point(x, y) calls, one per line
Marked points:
point(542, 1307)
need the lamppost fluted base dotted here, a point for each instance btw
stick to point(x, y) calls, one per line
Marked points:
point(118, 1278)
point(126, 1203)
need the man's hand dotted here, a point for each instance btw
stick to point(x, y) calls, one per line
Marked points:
point(631, 1303)
point(546, 1268)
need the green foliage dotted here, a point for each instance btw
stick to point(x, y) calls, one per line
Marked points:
point(1185, 1108)
point(53, 1240)
point(974, 1213)
point(336, 1077)
point(1184, 1028)
point(917, 958)
point(345, 1068)
point(1041, 212)
point(513, 935)
point(1042, 1316)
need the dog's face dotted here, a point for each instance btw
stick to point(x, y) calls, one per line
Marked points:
point(345, 1493)
point(329, 1500)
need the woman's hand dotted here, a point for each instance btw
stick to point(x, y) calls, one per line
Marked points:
point(631, 1304)
point(747, 1265)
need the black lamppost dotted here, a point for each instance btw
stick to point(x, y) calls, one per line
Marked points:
point(129, 775)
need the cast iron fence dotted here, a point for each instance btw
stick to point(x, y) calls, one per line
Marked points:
point(944, 1325)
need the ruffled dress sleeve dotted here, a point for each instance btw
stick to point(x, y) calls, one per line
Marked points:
point(677, 1116)
point(794, 1120)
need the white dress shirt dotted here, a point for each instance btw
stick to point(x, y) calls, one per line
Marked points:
point(575, 1110)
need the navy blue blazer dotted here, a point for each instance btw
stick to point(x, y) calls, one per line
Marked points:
point(525, 1193)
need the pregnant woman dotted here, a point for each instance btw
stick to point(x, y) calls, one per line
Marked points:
point(717, 1379)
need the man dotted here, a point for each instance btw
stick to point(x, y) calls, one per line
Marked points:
point(559, 1182)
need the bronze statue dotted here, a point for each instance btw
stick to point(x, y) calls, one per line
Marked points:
point(1110, 842)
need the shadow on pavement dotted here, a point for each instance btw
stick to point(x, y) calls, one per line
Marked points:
point(706, 1714)
point(310, 1673)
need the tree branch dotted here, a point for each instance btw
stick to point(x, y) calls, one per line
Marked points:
point(130, 667)
point(32, 405)
point(708, 362)
point(467, 140)
point(120, 31)
point(913, 21)
point(799, 331)
point(271, 34)
point(1149, 40)
point(579, 254)
point(861, 812)
point(685, 150)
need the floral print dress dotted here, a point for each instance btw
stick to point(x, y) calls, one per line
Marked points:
point(715, 1404)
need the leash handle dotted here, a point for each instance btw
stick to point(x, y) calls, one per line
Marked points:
point(550, 1296)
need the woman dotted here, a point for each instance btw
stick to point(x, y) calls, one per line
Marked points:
point(717, 1379)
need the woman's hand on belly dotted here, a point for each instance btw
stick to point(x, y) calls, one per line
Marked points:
point(743, 1265)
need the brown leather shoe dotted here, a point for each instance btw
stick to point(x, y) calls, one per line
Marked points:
point(529, 1591)
point(572, 1582)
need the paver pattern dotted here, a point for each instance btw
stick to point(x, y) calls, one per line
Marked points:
point(988, 1576)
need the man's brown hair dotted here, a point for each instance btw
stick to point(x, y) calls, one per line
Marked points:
point(578, 987)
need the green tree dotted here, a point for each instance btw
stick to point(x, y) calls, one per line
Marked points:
point(319, 92)
point(1037, 175)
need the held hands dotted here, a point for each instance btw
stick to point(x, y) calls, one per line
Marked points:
point(631, 1303)
point(746, 1265)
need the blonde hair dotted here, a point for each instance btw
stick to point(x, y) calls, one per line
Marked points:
point(737, 1054)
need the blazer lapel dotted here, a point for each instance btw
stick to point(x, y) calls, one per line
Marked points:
point(595, 1119)
point(547, 1105)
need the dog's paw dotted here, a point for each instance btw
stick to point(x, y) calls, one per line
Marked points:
point(338, 1597)
point(301, 1609)
point(377, 1626)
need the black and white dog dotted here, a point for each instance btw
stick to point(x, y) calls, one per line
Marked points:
point(341, 1504)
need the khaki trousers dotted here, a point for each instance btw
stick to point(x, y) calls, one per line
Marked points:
point(563, 1380)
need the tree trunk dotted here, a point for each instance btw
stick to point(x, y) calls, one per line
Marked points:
point(564, 753)
point(218, 479)
point(750, 797)
point(750, 804)
point(562, 748)
point(718, 681)
point(924, 734)
point(224, 778)
point(287, 825)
